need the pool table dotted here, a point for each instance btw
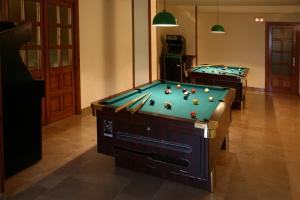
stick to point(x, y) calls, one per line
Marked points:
point(225, 76)
point(166, 142)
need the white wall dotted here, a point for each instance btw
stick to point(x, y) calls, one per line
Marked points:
point(141, 42)
point(105, 48)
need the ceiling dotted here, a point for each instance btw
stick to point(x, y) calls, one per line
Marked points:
point(235, 2)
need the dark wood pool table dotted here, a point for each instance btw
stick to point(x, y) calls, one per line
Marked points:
point(225, 76)
point(168, 143)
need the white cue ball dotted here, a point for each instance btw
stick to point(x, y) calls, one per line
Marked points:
point(206, 90)
point(210, 98)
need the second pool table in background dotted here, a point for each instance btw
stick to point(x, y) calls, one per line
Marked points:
point(225, 76)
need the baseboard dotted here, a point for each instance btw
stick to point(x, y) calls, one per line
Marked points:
point(86, 111)
point(255, 89)
point(2, 196)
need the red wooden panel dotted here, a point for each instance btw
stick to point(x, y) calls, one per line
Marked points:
point(67, 100)
point(55, 104)
point(67, 79)
point(54, 81)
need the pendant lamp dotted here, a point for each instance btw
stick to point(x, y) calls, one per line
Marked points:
point(217, 28)
point(164, 18)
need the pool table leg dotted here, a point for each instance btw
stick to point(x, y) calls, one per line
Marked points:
point(225, 143)
point(212, 180)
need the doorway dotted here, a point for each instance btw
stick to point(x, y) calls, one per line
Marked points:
point(282, 57)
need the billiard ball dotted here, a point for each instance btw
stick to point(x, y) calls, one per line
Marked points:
point(152, 102)
point(195, 101)
point(210, 98)
point(183, 90)
point(193, 90)
point(186, 97)
point(186, 93)
point(206, 90)
point(178, 86)
point(168, 91)
point(168, 105)
point(193, 114)
point(168, 86)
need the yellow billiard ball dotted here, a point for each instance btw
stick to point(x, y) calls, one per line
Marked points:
point(210, 98)
point(206, 90)
point(178, 86)
point(195, 101)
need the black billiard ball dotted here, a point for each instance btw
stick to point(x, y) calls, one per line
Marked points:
point(168, 105)
point(183, 90)
point(168, 86)
point(152, 102)
point(186, 97)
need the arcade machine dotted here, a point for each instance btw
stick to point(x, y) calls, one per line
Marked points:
point(21, 97)
point(174, 58)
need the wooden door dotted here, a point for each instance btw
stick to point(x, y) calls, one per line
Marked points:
point(59, 61)
point(282, 73)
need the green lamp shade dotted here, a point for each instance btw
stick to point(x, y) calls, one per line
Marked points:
point(217, 29)
point(164, 18)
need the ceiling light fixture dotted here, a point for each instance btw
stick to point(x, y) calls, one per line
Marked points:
point(259, 19)
point(164, 18)
point(217, 28)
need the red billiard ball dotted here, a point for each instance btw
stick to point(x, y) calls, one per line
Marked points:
point(193, 114)
point(193, 90)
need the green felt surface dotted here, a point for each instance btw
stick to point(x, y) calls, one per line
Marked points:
point(180, 107)
point(231, 71)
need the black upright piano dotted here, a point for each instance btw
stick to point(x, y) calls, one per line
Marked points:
point(21, 101)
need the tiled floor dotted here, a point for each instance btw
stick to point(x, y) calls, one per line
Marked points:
point(262, 161)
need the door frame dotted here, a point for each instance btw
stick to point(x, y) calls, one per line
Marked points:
point(268, 49)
